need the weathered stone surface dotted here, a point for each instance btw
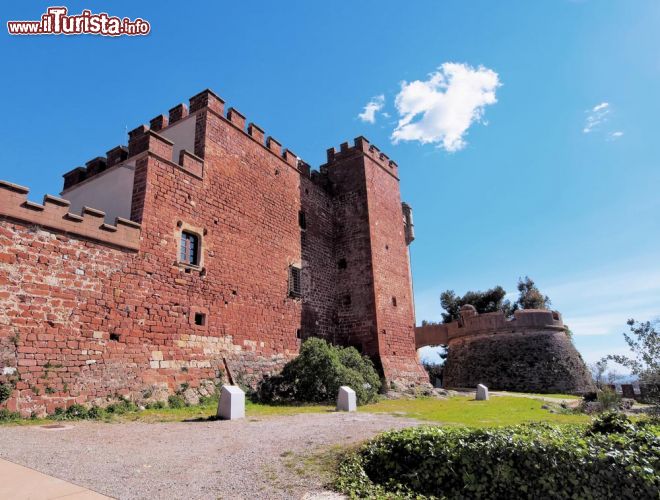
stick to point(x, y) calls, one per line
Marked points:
point(191, 396)
point(482, 393)
point(232, 403)
point(346, 399)
point(530, 353)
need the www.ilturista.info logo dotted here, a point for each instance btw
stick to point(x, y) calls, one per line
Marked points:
point(56, 21)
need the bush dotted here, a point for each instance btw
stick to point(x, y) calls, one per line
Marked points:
point(518, 462)
point(121, 408)
point(5, 392)
point(176, 401)
point(317, 373)
point(73, 412)
point(610, 422)
point(9, 416)
point(608, 399)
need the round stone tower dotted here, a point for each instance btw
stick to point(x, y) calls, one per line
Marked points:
point(529, 353)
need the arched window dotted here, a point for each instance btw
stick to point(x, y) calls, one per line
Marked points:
point(189, 248)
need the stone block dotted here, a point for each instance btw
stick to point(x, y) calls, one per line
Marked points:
point(232, 403)
point(482, 393)
point(346, 399)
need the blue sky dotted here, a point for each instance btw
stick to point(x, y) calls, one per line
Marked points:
point(555, 176)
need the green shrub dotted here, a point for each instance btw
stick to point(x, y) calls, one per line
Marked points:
point(608, 399)
point(317, 373)
point(121, 408)
point(95, 413)
point(610, 422)
point(176, 401)
point(73, 412)
point(536, 460)
point(9, 416)
point(5, 392)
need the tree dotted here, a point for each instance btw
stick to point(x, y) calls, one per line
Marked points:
point(530, 296)
point(644, 342)
point(491, 300)
point(598, 370)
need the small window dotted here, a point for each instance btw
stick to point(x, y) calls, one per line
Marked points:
point(295, 285)
point(114, 337)
point(394, 301)
point(299, 334)
point(342, 264)
point(302, 220)
point(189, 248)
point(200, 319)
point(346, 300)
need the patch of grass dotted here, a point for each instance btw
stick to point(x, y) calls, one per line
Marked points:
point(461, 410)
point(498, 411)
point(320, 464)
point(553, 396)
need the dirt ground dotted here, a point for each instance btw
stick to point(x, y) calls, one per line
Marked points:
point(270, 457)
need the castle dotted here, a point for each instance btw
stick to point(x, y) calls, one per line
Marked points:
point(203, 250)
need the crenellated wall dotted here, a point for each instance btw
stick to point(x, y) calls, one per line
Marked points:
point(92, 310)
point(531, 352)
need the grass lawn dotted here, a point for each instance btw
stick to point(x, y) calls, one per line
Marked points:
point(459, 410)
point(462, 410)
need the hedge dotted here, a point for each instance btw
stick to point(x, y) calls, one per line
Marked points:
point(519, 462)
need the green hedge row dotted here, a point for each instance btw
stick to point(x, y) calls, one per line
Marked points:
point(536, 460)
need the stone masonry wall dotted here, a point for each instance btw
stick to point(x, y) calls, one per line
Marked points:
point(87, 316)
point(529, 353)
point(536, 361)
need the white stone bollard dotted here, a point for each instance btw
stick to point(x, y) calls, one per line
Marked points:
point(232, 403)
point(482, 393)
point(346, 399)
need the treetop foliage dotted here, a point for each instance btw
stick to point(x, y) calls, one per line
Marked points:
point(493, 300)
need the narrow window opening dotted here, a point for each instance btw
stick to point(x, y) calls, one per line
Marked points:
point(302, 220)
point(200, 319)
point(189, 248)
point(346, 300)
point(298, 334)
point(114, 336)
point(295, 282)
point(342, 264)
point(394, 301)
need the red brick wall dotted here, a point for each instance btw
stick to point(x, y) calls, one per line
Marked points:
point(370, 236)
point(64, 296)
point(395, 316)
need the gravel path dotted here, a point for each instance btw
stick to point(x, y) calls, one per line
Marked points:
point(238, 459)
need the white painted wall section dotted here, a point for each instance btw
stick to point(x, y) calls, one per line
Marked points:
point(110, 191)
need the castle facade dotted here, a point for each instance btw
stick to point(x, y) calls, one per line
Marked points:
point(202, 250)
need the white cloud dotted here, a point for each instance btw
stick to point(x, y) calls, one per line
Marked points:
point(601, 106)
point(596, 116)
point(616, 135)
point(442, 109)
point(371, 108)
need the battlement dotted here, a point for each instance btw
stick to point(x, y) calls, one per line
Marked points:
point(54, 214)
point(473, 323)
point(362, 145)
point(208, 100)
